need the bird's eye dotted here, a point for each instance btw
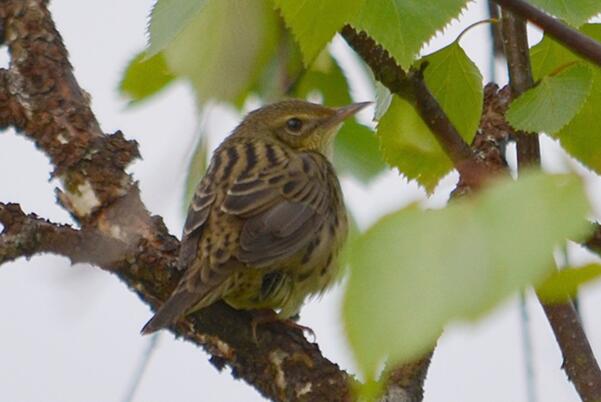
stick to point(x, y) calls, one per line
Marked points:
point(294, 124)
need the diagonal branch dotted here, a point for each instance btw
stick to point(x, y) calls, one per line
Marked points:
point(40, 97)
point(412, 87)
point(301, 372)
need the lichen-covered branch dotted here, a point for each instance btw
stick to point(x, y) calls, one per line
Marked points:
point(405, 383)
point(28, 235)
point(492, 136)
point(40, 97)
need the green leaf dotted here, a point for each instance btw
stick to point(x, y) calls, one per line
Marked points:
point(456, 83)
point(574, 12)
point(407, 143)
point(356, 152)
point(581, 137)
point(224, 48)
point(563, 285)
point(404, 26)
point(145, 76)
point(415, 271)
point(314, 22)
point(326, 77)
point(168, 19)
point(551, 104)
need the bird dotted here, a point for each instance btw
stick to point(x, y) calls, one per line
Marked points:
point(267, 220)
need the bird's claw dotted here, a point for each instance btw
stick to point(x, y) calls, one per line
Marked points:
point(261, 317)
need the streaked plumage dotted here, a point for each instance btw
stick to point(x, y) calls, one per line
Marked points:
point(267, 220)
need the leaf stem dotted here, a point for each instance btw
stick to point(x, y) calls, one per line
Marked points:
point(492, 21)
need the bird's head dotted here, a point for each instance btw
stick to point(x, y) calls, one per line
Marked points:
point(299, 124)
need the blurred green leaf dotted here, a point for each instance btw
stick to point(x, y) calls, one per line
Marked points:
point(456, 83)
point(415, 271)
point(574, 12)
point(282, 72)
point(581, 137)
point(404, 26)
point(145, 76)
point(326, 77)
point(407, 143)
point(356, 152)
point(552, 103)
point(168, 19)
point(223, 47)
point(314, 22)
point(563, 285)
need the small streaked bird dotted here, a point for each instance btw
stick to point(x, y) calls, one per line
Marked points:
point(267, 220)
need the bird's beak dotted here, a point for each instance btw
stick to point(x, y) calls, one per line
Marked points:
point(344, 112)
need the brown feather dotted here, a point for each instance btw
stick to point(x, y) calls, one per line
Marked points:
point(267, 220)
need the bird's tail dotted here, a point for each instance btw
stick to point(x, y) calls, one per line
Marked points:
point(177, 305)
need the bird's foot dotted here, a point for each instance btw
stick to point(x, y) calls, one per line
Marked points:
point(268, 316)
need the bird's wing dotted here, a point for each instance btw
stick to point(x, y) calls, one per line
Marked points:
point(198, 212)
point(282, 207)
point(274, 203)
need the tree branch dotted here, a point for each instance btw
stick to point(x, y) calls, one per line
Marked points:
point(40, 97)
point(484, 160)
point(515, 42)
point(28, 235)
point(579, 362)
point(495, 31)
point(411, 86)
point(569, 37)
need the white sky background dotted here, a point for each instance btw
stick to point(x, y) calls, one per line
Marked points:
point(72, 333)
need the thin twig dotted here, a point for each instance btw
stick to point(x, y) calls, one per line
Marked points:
point(527, 349)
point(569, 37)
point(134, 385)
point(495, 30)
